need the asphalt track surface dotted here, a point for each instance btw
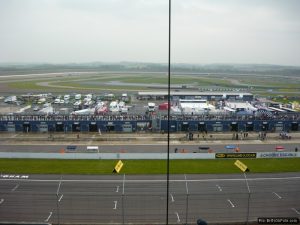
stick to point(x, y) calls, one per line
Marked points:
point(149, 148)
point(117, 199)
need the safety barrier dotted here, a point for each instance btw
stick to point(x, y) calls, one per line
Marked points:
point(63, 155)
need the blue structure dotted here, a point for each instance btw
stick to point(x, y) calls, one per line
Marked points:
point(142, 123)
point(231, 125)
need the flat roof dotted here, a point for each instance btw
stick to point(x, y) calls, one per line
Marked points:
point(239, 105)
point(196, 105)
point(191, 93)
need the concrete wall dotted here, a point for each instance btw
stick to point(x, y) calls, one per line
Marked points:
point(117, 156)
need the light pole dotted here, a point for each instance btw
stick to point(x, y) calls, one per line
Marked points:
point(169, 103)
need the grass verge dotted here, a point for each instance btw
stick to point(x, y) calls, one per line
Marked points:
point(51, 166)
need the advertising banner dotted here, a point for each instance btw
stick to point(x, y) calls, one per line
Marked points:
point(277, 154)
point(235, 155)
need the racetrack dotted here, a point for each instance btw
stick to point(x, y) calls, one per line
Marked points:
point(144, 148)
point(142, 199)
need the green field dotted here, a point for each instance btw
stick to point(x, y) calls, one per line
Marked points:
point(28, 85)
point(261, 85)
point(220, 166)
point(100, 82)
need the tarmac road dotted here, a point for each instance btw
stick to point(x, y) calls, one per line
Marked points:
point(150, 148)
point(142, 199)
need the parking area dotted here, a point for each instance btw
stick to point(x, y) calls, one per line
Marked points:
point(79, 104)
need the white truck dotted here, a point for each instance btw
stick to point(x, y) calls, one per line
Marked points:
point(77, 96)
point(151, 107)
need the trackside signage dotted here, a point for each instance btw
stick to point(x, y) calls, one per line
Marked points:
point(235, 155)
point(118, 167)
point(241, 166)
point(277, 155)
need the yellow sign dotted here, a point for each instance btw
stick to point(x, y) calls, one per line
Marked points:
point(241, 166)
point(118, 167)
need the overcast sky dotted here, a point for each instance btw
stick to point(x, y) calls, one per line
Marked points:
point(203, 31)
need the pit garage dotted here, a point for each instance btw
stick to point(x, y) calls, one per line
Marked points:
point(93, 127)
point(279, 127)
point(127, 128)
point(249, 127)
point(202, 127)
point(59, 127)
point(2, 127)
point(173, 128)
point(76, 127)
point(142, 126)
point(43, 127)
point(185, 126)
point(294, 126)
point(11, 127)
point(26, 127)
point(217, 127)
point(234, 127)
point(110, 127)
point(265, 126)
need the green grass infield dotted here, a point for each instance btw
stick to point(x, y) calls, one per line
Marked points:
point(201, 166)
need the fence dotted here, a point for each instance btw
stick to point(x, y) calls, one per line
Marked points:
point(144, 201)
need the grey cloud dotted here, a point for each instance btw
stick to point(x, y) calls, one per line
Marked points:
point(203, 31)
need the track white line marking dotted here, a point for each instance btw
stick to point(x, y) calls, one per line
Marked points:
point(178, 219)
point(295, 210)
point(46, 220)
point(60, 198)
point(116, 202)
point(172, 198)
point(186, 184)
point(278, 196)
point(58, 188)
point(230, 202)
point(218, 186)
point(248, 187)
point(123, 191)
point(117, 189)
point(15, 188)
point(159, 181)
point(1, 201)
